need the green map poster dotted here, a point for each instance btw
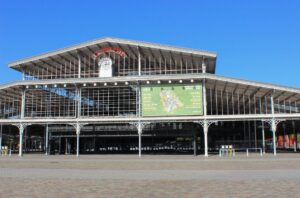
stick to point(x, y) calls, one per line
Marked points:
point(171, 100)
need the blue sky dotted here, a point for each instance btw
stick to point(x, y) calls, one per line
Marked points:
point(255, 39)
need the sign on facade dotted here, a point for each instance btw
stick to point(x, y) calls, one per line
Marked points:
point(171, 100)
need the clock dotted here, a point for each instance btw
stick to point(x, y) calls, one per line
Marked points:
point(105, 63)
point(105, 67)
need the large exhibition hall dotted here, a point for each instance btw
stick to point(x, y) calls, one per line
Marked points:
point(121, 96)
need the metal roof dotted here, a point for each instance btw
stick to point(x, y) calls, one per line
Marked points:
point(213, 80)
point(114, 40)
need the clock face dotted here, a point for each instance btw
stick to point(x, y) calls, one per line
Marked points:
point(105, 63)
point(105, 67)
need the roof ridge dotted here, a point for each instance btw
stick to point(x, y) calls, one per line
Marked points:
point(116, 40)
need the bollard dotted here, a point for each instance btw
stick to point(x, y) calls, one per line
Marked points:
point(230, 150)
point(247, 152)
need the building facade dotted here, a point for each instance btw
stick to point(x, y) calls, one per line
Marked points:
point(116, 95)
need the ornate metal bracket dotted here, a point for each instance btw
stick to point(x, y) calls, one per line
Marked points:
point(271, 121)
point(78, 126)
point(206, 122)
point(134, 87)
point(136, 124)
point(22, 126)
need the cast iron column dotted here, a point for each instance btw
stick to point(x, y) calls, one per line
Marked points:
point(140, 138)
point(21, 129)
point(47, 139)
point(263, 137)
point(205, 130)
point(77, 142)
point(273, 126)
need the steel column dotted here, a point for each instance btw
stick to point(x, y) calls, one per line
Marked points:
point(263, 136)
point(139, 126)
point(77, 127)
point(79, 66)
point(47, 139)
point(204, 90)
point(139, 63)
point(78, 93)
point(140, 139)
point(273, 125)
point(139, 100)
point(77, 142)
point(203, 66)
point(205, 130)
point(205, 125)
point(23, 104)
point(21, 129)
point(204, 98)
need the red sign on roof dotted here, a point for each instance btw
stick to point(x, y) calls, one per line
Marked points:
point(116, 50)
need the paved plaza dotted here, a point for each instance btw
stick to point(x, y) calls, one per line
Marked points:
point(150, 176)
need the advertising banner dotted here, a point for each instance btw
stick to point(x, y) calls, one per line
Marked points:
point(280, 141)
point(171, 100)
point(292, 140)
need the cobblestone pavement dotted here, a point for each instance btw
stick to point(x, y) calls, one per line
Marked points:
point(150, 176)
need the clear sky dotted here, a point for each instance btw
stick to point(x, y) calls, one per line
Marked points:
point(255, 39)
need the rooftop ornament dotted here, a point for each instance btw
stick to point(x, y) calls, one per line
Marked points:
point(103, 50)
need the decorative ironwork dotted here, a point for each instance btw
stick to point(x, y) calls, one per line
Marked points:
point(21, 126)
point(136, 124)
point(206, 122)
point(78, 126)
point(271, 121)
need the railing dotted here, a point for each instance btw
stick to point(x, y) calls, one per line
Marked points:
point(228, 150)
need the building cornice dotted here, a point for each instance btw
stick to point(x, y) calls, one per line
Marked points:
point(195, 77)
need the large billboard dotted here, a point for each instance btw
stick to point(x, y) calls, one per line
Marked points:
point(171, 100)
